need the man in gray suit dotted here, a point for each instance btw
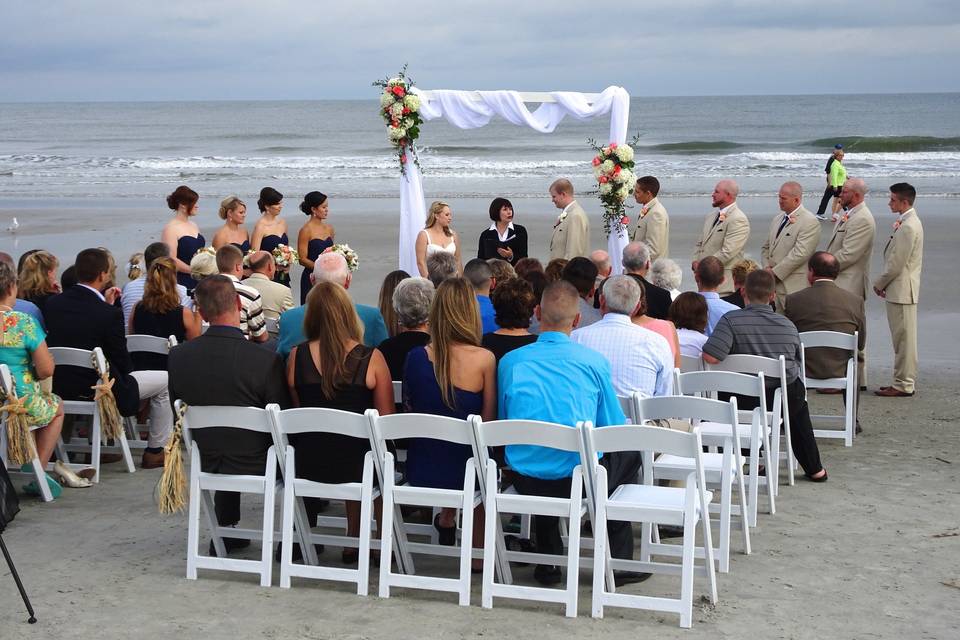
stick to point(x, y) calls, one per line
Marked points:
point(571, 232)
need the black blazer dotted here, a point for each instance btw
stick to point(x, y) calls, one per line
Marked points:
point(79, 318)
point(658, 300)
point(490, 241)
point(221, 367)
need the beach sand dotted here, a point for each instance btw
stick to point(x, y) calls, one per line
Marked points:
point(875, 552)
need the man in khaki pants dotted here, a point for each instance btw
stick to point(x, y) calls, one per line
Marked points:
point(899, 286)
point(793, 237)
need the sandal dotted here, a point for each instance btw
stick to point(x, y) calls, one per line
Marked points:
point(67, 476)
point(31, 489)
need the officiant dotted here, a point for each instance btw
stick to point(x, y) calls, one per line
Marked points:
point(504, 239)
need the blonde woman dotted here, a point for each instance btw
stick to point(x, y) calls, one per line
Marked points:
point(38, 278)
point(233, 212)
point(437, 235)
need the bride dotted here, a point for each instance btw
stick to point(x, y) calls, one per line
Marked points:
point(437, 236)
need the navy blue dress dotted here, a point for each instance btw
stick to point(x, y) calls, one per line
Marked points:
point(434, 463)
point(314, 248)
point(187, 247)
point(243, 246)
point(269, 243)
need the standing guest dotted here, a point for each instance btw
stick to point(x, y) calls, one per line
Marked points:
point(442, 266)
point(829, 192)
point(725, 232)
point(836, 179)
point(84, 317)
point(526, 265)
point(502, 270)
point(256, 379)
point(659, 326)
point(710, 276)
point(133, 290)
point(899, 286)
point(437, 236)
point(504, 239)
point(333, 369)
point(38, 278)
point(315, 237)
point(275, 298)
point(582, 274)
point(233, 212)
point(571, 231)
point(555, 380)
point(271, 230)
point(411, 302)
point(252, 322)
point(793, 238)
point(182, 235)
point(740, 272)
point(330, 267)
point(452, 376)
point(640, 360)
point(757, 330)
point(160, 313)
point(636, 262)
point(513, 302)
point(689, 314)
point(19, 304)
point(653, 224)
point(385, 301)
point(666, 274)
point(554, 269)
point(478, 273)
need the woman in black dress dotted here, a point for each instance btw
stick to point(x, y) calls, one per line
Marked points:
point(159, 313)
point(411, 302)
point(513, 301)
point(504, 239)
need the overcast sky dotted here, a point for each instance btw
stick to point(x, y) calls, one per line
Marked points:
point(298, 49)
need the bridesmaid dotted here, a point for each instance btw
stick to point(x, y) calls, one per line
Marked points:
point(234, 212)
point(271, 229)
point(182, 235)
point(315, 237)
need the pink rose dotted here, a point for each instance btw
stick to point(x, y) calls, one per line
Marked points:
point(613, 145)
point(399, 92)
point(596, 161)
point(624, 220)
point(603, 179)
point(403, 159)
point(617, 169)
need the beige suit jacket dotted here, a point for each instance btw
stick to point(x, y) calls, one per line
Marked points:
point(275, 297)
point(653, 229)
point(789, 252)
point(852, 245)
point(571, 237)
point(903, 260)
point(725, 240)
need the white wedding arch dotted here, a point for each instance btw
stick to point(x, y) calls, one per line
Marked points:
point(473, 109)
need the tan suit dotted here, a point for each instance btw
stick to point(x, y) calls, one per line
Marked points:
point(900, 281)
point(653, 229)
point(275, 297)
point(827, 307)
point(852, 245)
point(725, 240)
point(787, 253)
point(571, 236)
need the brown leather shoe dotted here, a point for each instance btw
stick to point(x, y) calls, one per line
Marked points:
point(891, 392)
point(830, 392)
point(107, 458)
point(151, 460)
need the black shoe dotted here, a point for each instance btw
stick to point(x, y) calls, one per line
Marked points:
point(516, 543)
point(297, 555)
point(622, 578)
point(547, 575)
point(230, 544)
point(859, 429)
point(445, 535)
point(667, 531)
point(822, 478)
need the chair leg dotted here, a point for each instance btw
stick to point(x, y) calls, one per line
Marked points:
point(744, 514)
point(754, 466)
point(210, 514)
point(725, 502)
point(95, 446)
point(366, 513)
point(573, 544)
point(41, 477)
point(286, 545)
point(389, 525)
point(490, 551)
point(193, 522)
point(127, 456)
point(686, 570)
point(269, 505)
point(599, 544)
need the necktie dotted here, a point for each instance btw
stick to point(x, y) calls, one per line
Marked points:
point(783, 223)
point(717, 219)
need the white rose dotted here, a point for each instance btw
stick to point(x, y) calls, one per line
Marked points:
point(412, 102)
point(397, 110)
point(397, 133)
point(622, 193)
point(386, 100)
point(606, 166)
point(625, 153)
point(606, 189)
point(393, 82)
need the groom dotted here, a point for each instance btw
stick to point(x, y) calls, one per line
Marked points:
point(571, 232)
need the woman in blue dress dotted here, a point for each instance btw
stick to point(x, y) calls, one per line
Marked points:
point(233, 212)
point(315, 237)
point(182, 234)
point(271, 230)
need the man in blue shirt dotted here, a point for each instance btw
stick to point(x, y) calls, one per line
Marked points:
point(330, 267)
point(555, 380)
point(709, 277)
point(480, 276)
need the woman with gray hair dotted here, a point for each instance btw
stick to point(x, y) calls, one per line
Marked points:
point(411, 300)
point(666, 273)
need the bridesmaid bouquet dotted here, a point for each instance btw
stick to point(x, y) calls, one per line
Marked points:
point(613, 169)
point(285, 256)
point(353, 261)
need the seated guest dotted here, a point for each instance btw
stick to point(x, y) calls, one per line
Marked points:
point(513, 303)
point(330, 267)
point(84, 317)
point(640, 360)
point(689, 314)
point(526, 265)
point(504, 239)
point(68, 278)
point(252, 322)
point(411, 303)
point(275, 298)
point(666, 274)
point(203, 265)
point(554, 269)
point(582, 274)
point(739, 273)
point(452, 376)
point(385, 301)
point(502, 270)
point(709, 277)
point(601, 260)
point(555, 380)
point(19, 304)
point(636, 262)
point(133, 290)
point(160, 313)
point(757, 330)
point(333, 369)
point(538, 282)
point(441, 266)
point(256, 379)
point(38, 278)
point(664, 328)
point(478, 273)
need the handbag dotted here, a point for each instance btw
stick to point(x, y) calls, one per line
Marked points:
point(9, 502)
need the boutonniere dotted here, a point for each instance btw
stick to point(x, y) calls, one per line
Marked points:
point(644, 210)
point(721, 218)
point(896, 225)
point(560, 218)
point(791, 219)
point(845, 217)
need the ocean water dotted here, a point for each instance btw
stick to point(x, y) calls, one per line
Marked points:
point(80, 152)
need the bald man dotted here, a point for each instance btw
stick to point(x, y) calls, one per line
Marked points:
point(725, 232)
point(571, 231)
point(793, 238)
point(275, 297)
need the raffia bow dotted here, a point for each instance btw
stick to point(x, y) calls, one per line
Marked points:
point(20, 446)
point(111, 423)
point(172, 489)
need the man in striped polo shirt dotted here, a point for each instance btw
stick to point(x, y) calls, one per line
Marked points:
point(253, 324)
point(757, 330)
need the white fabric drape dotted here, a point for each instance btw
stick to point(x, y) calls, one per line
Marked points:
point(463, 110)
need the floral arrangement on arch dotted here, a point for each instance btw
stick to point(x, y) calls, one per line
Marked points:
point(401, 113)
point(353, 260)
point(613, 169)
point(284, 256)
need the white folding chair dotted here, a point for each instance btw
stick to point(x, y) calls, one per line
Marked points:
point(94, 360)
point(203, 484)
point(419, 425)
point(142, 343)
point(752, 428)
point(690, 363)
point(836, 340)
point(397, 392)
point(37, 471)
point(651, 504)
point(273, 325)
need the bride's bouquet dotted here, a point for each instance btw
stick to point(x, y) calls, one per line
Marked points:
point(285, 256)
point(613, 169)
point(401, 112)
point(353, 261)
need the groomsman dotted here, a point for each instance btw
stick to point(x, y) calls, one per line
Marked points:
point(571, 232)
point(793, 238)
point(652, 224)
point(852, 245)
point(899, 286)
point(725, 233)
